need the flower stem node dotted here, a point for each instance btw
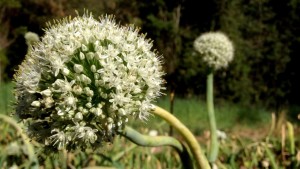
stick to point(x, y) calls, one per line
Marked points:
point(82, 81)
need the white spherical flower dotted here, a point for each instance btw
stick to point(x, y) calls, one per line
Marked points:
point(215, 48)
point(81, 83)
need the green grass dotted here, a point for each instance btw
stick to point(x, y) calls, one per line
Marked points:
point(193, 113)
point(6, 98)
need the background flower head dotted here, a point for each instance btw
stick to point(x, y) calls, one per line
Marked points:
point(79, 85)
point(215, 48)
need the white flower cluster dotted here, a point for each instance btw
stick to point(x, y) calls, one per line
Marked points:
point(215, 48)
point(79, 85)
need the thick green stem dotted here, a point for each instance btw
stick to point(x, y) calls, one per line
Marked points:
point(201, 161)
point(31, 154)
point(151, 141)
point(154, 141)
point(214, 145)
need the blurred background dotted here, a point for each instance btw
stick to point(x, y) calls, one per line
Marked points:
point(265, 33)
point(263, 78)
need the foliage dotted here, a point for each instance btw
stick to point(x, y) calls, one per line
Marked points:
point(270, 152)
point(235, 152)
point(262, 52)
point(7, 37)
point(115, 155)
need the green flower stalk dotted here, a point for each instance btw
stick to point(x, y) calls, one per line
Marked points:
point(217, 51)
point(155, 141)
point(195, 148)
point(79, 85)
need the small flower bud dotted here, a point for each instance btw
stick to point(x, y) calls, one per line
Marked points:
point(46, 92)
point(78, 68)
point(109, 126)
point(93, 68)
point(80, 108)
point(91, 136)
point(88, 105)
point(99, 83)
point(98, 111)
point(65, 71)
point(70, 100)
point(31, 38)
point(36, 104)
point(110, 120)
point(81, 56)
point(97, 44)
point(85, 111)
point(92, 110)
point(104, 95)
point(102, 116)
point(85, 79)
point(71, 112)
point(90, 55)
point(96, 76)
point(88, 92)
point(77, 89)
point(100, 105)
point(122, 112)
point(48, 102)
point(78, 79)
point(84, 48)
point(78, 116)
point(59, 83)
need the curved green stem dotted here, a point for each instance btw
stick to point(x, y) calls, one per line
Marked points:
point(151, 141)
point(214, 145)
point(201, 161)
point(154, 141)
point(31, 154)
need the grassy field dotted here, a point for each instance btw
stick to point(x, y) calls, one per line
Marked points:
point(193, 112)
